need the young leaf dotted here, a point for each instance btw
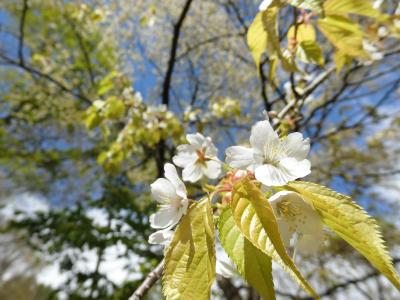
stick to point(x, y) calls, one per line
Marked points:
point(344, 34)
point(341, 60)
point(254, 265)
point(357, 7)
point(256, 220)
point(304, 32)
point(189, 268)
point(351, 223)
point(310, 52)
point(257, 39)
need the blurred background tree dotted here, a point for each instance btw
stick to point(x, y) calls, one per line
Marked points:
point(96, 95)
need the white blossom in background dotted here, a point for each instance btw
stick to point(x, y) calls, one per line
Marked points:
point(377, 4)
point(161, 237)
point(373, 51)
point(297, 217)
point(170, 192)
point(265, 4)
point(274, 161)
point(198, 158)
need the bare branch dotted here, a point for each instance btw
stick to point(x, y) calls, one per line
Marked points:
point(22, 32)
point(48, 77)
point(150, 280)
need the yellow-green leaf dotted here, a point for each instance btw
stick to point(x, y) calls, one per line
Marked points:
point(189, 268)
point(256, 220)
point(257, 39)
point(263, 36)
point(344, 34)
point(310, 52)
point(341, 60)
point(304, 32)
point(358, 7)
point(350, 222)
point(115, 108)
point(254, 265)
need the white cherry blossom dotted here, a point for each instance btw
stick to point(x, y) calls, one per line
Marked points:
point(274, 161)
point(297, 217)
point(198, 158)
point(161, 237)
point(170, 192)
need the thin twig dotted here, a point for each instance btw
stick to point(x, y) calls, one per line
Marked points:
point(48, 77)
point(150, 280)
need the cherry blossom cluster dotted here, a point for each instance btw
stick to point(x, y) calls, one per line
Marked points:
point(270, 160)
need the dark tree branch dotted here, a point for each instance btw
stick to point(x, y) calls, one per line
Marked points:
point(161, 147)
point(173, 51)
point(22, 32)
point(85, 52)
point(48, 77)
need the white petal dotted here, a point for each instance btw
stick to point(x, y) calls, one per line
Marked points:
point(303, 218)
point(285, 232)
point(172, 176)
point(295, 169)
point(186, 154)
point(212, 169)
point(196, 140)
point(239, 156)
point(192, 173)
point(262, 134)
point(166, 216)
point(295, 146)
point(210, 149)
point(310, 243)
point(163, 191)
point(264, 5)
point(161, 237)
point(270, 175)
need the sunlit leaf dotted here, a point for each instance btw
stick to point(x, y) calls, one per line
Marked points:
point(350, 222)
point(358, 7)
point(189, 268)
point(310, 52)
point(304, 32)
point(115, 108)
point(257, 39)
point(256, 220)
point(344, 34)
point(254, 265)
point(341, 60)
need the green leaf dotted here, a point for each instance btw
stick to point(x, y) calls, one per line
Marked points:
point(358, 7)
point(257, 39)
point(189, 268)
point(341, 60)
point(263, 36)
point(254, 265)
point(344, 34)
point(92, 119)
point(256, 220)
point(310, 52)
point(350, 222)
point(115, 108)
point(303, 32)
point(107, 83)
